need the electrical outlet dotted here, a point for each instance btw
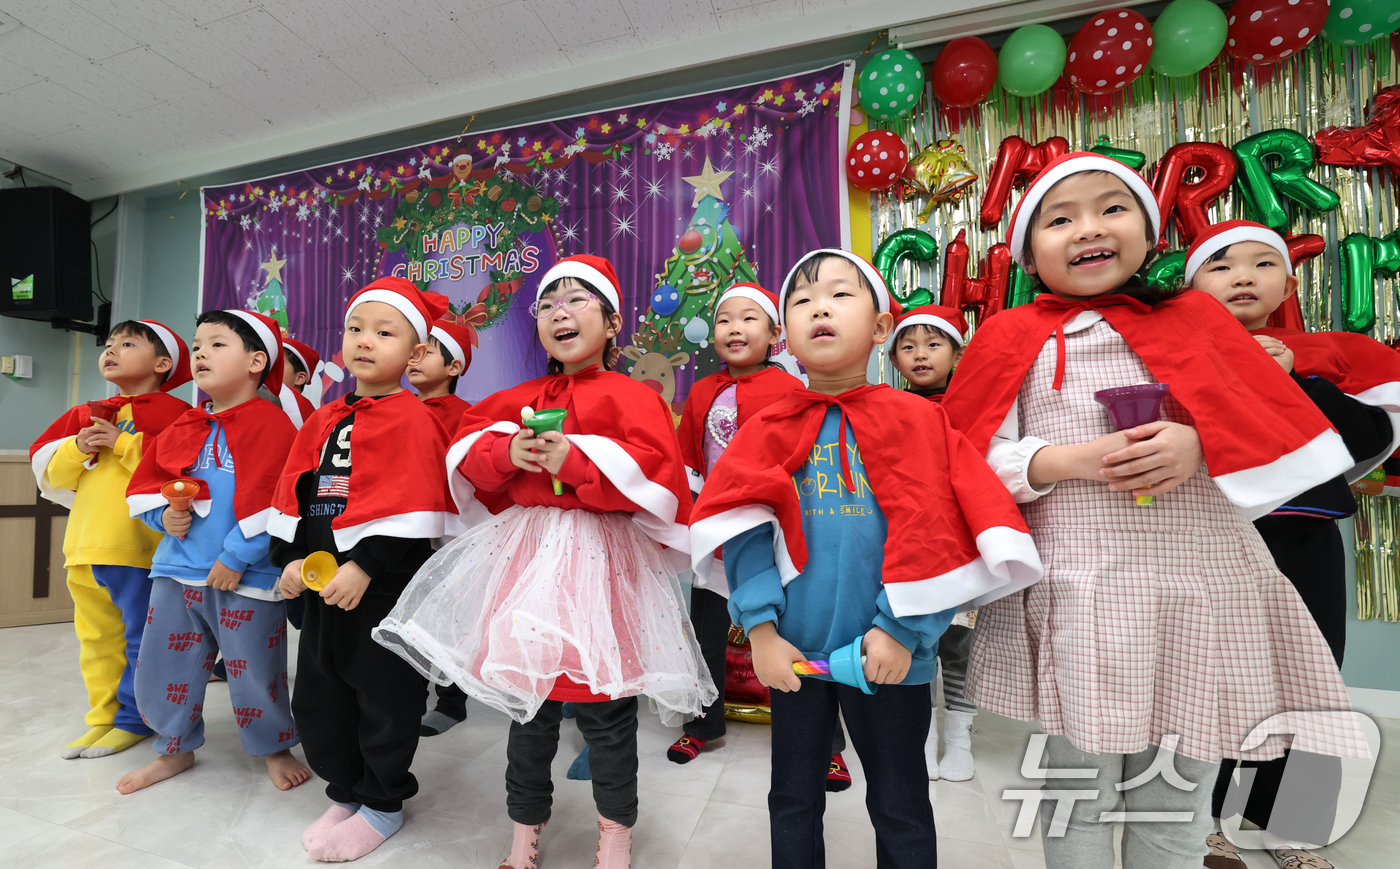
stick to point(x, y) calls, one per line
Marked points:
point(7, 365)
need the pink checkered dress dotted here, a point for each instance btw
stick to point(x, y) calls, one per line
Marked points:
point(1153, 620)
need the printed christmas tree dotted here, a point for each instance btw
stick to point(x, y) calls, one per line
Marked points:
point(271, 299)
point(707, 260)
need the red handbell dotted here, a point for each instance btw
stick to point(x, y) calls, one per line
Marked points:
point(1017, 161)
point(1188, 200)
point(984, 294)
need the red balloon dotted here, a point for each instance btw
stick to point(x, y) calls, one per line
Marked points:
point(1267, 31)
point(1017, 161)
point(964, 72)
point(876, 160)
point(1109, 51)
point(1189, 200)
point(984, 294)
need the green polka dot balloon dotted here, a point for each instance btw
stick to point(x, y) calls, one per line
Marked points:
point(891, 84)
point(1352, 22)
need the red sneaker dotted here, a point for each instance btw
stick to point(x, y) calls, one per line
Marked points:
point(838, 777)
point(685, 749)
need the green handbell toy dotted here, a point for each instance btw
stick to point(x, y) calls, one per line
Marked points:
point(541, 421)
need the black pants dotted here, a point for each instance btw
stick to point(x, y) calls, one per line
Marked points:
point(357, 705)
point(452, 702)
point(609, 728)
point(1309, 552)
point(888, 731)
point(709, 613)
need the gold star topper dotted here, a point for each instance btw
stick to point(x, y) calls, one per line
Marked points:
point(274, 267)
point(707, 183)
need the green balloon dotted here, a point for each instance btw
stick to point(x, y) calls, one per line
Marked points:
point(1352, 22)
point(1031, 60)
point(911, 244)
point(1189, 34)
point(891, 84)
point(1167, 272)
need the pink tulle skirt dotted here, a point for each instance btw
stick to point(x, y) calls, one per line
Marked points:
point(541, 592)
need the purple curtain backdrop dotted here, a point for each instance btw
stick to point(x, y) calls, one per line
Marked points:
point(304, 242)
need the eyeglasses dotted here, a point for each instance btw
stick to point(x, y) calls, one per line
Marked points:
point(546, 308)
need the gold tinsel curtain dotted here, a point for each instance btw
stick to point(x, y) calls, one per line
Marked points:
point(1323, 86)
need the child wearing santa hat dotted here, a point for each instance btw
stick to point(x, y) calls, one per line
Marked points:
point(851, 513)
point(363, 482)
point(746, 331)
point(84, 461)
point(928, 341)
point(1162, 627)
point(561, 589)
point(449, 356)
point(213, 588)
point(299, 363)
point(1355, 381)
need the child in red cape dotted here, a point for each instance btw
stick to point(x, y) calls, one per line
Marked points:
point(449, 356)
point(299, 363)
point(84, 462)
point(364, 482)
point(552, 597)
point(852, 513)
point(213, 589)
point(746, 331)
point(1155, 626)
point(1355, 381)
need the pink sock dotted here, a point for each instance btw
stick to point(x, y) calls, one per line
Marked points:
point(349, 840)
point(524, 848)
point(334, 815)
point(614, 845)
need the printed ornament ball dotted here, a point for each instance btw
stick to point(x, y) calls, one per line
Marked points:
point(508, 205)
point(1267, 31)
point(697, 331)
point(891, 84)
point(1109, 52)
point(690, 242)
point(876, 160)
point(666, 300)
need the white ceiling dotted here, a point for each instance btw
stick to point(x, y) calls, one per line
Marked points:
point(91, 89)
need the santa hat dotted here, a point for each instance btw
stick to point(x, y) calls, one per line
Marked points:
point(179, 373)
point(456, 339)
point(418, 307)
point(882, 292)
point(947, 320)
point(1060, 169)
point(303, 352)
point(765, 299)
point(1222, 235)
point(595, 270)
point(270, 334)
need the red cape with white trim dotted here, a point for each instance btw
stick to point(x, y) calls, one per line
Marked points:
point(754, 392)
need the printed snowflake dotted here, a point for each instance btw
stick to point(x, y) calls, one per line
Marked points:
point(760, 137)
point(245, 221)
point(303, 212)
point(274, 205)
point(664, 151)
point(807, 108)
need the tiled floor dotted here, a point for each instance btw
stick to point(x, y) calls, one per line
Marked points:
point(709, 814)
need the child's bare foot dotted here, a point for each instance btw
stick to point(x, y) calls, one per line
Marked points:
point(158, 770)
point(285, 770)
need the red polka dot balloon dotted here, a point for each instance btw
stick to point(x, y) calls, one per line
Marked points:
point(876, 160)
point(1267, 31)
point(1109, 51)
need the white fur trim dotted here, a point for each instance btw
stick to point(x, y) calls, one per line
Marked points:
point(930, 320)
point(397, 301)
point(1235, 235)
point(882, 292)
point(138, 504)
point(1385, 397)
point(304, 363)
point(290, 406)
point(451, 343)
point(1260, 490)
point(470, 512)
point(269, 341)
point(423, 524)
point(252, 526)
point(167, 338)
point(282, 526)
point(711, 533)
point(40, 466)
point(583, 272)
point(1086, 163)
point(657, 518)
point(1007, 563)
point(763, 302)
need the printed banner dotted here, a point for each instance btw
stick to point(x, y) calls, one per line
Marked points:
point(685, 197)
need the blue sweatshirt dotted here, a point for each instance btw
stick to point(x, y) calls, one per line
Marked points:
point(216, 536)
point(840, 596)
